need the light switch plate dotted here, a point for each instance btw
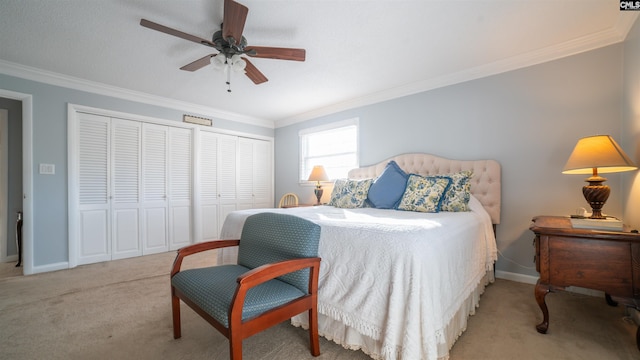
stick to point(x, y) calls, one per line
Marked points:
point(47, 169)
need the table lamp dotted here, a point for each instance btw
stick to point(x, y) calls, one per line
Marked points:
point(593, 154)
point(318, 174)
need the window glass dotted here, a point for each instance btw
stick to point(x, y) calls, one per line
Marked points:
point(334, 146)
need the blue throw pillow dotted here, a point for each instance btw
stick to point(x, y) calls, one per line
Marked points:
point(386, 191)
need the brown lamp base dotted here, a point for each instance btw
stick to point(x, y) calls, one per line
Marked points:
point(318, 191)
point(596, 195)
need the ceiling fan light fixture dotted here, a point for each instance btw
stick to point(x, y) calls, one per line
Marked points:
point(219, 62)
point(237, 64)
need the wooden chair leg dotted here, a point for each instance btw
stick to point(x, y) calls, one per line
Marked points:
point(235, 348)
point(313, 331)
point(175, 310)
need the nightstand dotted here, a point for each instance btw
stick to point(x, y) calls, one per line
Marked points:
point(608, 261)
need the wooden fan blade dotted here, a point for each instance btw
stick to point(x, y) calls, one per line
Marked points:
point(198, 64)
point(253, 73)
point(174, 32)
point(235, 15)
point(276, 53)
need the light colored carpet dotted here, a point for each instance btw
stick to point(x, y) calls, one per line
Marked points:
point(121, 310)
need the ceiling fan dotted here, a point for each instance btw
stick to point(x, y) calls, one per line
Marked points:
point(230, 45)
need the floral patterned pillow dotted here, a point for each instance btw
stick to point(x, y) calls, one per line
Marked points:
point(424, 194)
point(456, 198)
point(350, 194)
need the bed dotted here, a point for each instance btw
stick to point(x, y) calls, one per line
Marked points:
point(401, 284)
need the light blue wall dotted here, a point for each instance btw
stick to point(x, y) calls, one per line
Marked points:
point(529, 120)
point(50, 230)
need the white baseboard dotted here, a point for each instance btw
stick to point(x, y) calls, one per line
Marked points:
point(51, 267)
point(583, 291)
point(528, 279)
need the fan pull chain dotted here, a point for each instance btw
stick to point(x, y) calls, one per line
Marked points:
point(227, 69)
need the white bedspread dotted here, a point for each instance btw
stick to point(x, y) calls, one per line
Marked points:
point(396, 277)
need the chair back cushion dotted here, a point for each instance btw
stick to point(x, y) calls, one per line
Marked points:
point(271, 237)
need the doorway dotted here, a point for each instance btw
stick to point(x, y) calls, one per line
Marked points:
point(5, 252)
point(10, 177)
point(16, 190)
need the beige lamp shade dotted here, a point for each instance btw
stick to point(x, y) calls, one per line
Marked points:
point(318, 174)
point(595, 154)
point(598, 153)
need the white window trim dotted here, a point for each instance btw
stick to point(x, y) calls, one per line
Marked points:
point(325, 127)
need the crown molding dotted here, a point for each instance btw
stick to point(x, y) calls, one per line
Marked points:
point(610, 36)
point(52, 78)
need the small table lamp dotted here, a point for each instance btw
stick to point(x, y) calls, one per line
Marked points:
point(318, 174)
point(593, 154)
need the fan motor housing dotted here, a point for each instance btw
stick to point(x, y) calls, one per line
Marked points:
point(225, 46)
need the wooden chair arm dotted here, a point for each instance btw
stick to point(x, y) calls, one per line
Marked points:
point(268, 272)
point(199, 247)
point(271, 271)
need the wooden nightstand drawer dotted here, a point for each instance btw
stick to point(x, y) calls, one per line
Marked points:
point(594, 264)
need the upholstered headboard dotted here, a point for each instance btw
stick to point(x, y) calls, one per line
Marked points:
point(485, 184)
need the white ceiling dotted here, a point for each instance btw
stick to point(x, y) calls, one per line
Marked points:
point(358, 52)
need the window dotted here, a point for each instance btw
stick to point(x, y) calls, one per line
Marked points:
point(334, 146)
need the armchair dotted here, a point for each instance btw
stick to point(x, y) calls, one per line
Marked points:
point(275, 279)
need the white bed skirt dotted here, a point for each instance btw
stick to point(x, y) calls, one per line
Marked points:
point(351, 339)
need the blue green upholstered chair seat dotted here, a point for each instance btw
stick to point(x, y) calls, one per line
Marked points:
point(212, 289)
point(275, 279)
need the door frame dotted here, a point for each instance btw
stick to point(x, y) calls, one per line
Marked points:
point(4, 181)
point(27, 176)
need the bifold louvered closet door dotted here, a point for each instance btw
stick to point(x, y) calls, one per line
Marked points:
point(134, 188)
point(180, 196)
point(142, 187)
point(217, 166)
point(254, 174)
point(93, 228)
